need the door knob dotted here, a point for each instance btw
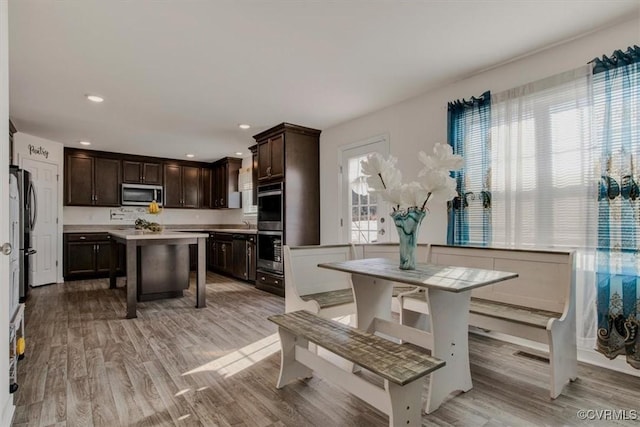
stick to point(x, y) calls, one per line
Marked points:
point(6, 248)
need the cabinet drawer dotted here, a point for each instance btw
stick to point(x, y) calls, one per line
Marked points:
point(268, 280)
point(87, 237)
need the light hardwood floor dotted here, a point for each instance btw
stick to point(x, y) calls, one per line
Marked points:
point(175, 365)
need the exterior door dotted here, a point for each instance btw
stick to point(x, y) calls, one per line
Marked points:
point(45, 234)
point(365, 218)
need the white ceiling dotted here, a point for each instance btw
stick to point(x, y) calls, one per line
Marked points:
point(179, 76)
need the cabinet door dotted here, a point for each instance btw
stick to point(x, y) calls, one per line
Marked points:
point(78, 180)
point(107, 182)
point(219, 257)
point(205, 188)
point(190, 187)
point(131, 172)
point(224, 185)
point(276, 145)
point(211, 253)
point(173, 186)
point(264, 161)
point(103, 257)
point(80, 258)
point(239, 259)
point(152, 173)
point(251, 258)
point(227, 255)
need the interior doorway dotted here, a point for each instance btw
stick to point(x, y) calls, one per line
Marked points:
point(45, 233)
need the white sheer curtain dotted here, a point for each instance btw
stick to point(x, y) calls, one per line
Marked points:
point(542, 170)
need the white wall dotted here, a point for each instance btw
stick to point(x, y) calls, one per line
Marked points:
point(418, 123)
point(6, 400)
point(27, 146)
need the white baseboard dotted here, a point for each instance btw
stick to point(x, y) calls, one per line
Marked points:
point(7, 412)
point(585, 355)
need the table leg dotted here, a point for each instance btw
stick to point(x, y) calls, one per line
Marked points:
point(201, 287)
point(450, 329)
point(132, 279)
point(373, 299)
point(113, 263)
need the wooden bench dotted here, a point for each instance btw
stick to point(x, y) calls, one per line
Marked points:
point(403, 369)
point(539, 305)
point(323, 292)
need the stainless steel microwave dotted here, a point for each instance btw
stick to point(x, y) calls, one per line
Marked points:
point(141, 194)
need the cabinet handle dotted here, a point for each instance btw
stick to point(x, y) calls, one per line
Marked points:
point(269, 170)
point(83, 238)
point(276, 282)
point(221, 202)
point(263, 278)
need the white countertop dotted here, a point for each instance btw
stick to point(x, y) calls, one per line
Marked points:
point(139, 235)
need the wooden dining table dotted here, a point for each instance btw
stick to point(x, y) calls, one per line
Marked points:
point(449, 295)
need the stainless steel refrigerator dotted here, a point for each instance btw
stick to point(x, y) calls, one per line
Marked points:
point(27, 217)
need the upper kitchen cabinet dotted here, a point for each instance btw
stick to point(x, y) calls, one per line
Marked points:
point(225, 192)
point(91, 179)
point(254, 173)
point(278, 144)
point(205, 188)
point(271, 158)
point(141, 172)
point(182, 186)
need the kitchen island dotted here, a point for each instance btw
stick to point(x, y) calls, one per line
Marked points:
point(134, 239)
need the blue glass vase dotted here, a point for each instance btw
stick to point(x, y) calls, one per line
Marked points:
point(408, 226)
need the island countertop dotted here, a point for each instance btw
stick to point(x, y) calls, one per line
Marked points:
point(164, 235)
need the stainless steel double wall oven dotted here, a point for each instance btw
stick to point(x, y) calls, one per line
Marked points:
point(270, 228)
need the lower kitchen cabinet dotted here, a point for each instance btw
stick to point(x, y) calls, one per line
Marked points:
point(88, 256)
point(233, 255)
point(270, 283)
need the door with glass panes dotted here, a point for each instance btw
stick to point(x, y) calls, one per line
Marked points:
point(365, 216)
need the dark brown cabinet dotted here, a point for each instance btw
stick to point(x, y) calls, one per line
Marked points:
point(270, 283)
point(271, 158)
point(141, 172)
point(225, 191)
point(223, 253)
point(205, 188)
point(254, 173)
point(233, 254)
point(288, 155)
point(88, 255)
point(182, 186)
point(91, 180)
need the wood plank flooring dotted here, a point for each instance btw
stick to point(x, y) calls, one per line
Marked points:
point(86, 365)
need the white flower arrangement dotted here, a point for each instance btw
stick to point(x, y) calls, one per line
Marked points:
point(434, 181)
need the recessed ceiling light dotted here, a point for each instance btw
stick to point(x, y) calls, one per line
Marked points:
point(190, 155)
point(238, 153)
point(95, 98)
point(244, 126)
point(85, 143)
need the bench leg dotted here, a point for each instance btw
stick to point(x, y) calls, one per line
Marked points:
point(406, 405)
point(449, 327)
point(290, 368)
point(563, 355)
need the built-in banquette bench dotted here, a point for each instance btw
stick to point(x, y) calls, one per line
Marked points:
point(539, 305)
point(402, 368)
point(328, 293)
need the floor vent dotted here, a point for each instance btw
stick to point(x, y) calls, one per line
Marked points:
point(532, 356)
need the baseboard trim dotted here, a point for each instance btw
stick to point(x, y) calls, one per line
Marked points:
point(7, 412)
point(585, 355)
